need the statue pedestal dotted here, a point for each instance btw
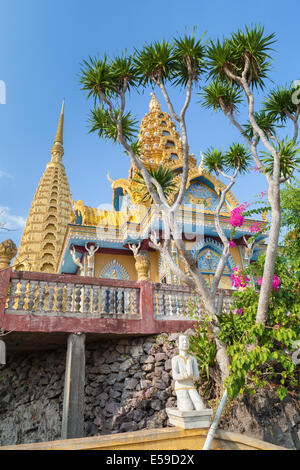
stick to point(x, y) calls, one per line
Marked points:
point(190, 419)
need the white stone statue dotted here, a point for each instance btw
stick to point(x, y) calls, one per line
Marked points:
point(90, 258)
point(185, 372)
point(77, 260)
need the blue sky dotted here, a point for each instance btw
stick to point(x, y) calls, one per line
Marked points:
point(43, 43)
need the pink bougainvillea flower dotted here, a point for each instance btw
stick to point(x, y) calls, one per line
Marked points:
point(277, 326)
point(275, 283)
point(239, 311)
point(260, 170)
point(238, 279)
point(231, 243)
point(236, 218)
point(255, 227)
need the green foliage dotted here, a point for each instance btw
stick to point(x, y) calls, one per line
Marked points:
point(261, 355)
point(289, 158)
point(290, 205)
point(189, 55)
point(214, 160)
point(135, 147)
point(203, 346)
point(279, 104)
point(236, 156)
point(162, 175)
point(265, 121)
point(290, 220)
point(101, 123)
point(99, 76)
point(155, 61)
point(218, 95)
point(253, 44)
point(171, 60)
point(257, 210)
point(229, 55)
point(96, 76)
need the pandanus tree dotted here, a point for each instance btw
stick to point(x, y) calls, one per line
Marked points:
point(163, 176)
point(236, 66)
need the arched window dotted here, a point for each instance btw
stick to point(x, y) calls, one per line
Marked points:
point(169, 144)
point(208, 253)
point(114, 270)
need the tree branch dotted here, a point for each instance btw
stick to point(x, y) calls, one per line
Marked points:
point(225, 254)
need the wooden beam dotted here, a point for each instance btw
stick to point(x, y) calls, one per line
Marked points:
point(73, 406)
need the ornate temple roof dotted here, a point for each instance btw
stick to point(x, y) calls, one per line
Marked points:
point(160, 145)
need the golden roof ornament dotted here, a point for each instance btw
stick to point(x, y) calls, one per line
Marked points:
point(110, 180)
point(201, 166)
point(57, 150)
point(154, 104)
point(8, 250)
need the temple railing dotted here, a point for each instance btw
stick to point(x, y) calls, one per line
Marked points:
point(56, 295)
point(178, 302)
point(32, 301)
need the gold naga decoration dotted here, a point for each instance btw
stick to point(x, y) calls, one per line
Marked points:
point(8, 251)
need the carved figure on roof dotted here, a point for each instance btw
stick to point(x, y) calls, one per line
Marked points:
point(76, 260)
point(142, 262)
point(90, 258)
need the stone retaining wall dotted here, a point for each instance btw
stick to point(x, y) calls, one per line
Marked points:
point(128, 386)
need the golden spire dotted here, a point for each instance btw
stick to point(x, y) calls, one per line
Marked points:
point(57, 149)
point(49, 215)
point(59, 134)
point(154, 104)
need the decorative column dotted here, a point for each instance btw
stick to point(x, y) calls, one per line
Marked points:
point(73, 406)
point(142, 262)
point(8, 251)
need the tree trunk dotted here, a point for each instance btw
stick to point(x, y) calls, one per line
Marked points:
point(266, 287)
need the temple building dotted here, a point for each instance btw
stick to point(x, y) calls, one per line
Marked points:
point(68, 237)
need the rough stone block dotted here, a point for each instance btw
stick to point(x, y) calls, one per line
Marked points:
point(130, 384)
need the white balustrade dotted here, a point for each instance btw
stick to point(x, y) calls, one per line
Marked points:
point(39, 297)
point(179, 303)
point(79, 299)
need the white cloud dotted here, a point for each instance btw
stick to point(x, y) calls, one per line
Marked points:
point(4, 174)
point(10, 221)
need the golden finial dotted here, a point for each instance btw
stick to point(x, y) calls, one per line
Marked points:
point(201, 166)
point(58, 141)
point(154, 104)
point(59, 134)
